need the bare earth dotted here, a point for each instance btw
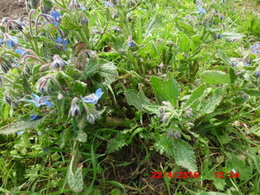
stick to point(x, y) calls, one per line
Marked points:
point(12, 8)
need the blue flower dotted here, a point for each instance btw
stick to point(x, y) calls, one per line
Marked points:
point(256, 47)
point(93, 98)
point(1, 41)
point(39, 133)
point(201, 10)
point(257, 73)
point(108, 4)
point(83, 8)
point(20, 51)
point(20, 132)
point(219, 36)
point(233, 63)
point(35, 117)
point(11, 42)
point(39, 101)
point(57, 17)
point(45, 149)
point(131, 44)
point(63, 42)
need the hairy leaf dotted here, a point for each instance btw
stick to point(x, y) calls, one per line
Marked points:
point(20, 125)
point(136, 99)
point(75, 180)
point(166, 90)
point(215, 77)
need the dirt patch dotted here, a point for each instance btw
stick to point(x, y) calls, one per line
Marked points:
point(12, 8)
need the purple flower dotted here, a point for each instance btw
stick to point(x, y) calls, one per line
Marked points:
point(39, 101)
point(74, 108)
point(94, 97)
point(57, 63)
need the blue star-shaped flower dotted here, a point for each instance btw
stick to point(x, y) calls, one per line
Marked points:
point(108, 4)
point(39, 101)
point(256, 48)
point(20, 132)
point(60, 40)
point(201, 10)
point(11, 41)
point(94, 97)
point(57, 17)
point(35, 117)
point(20, 51)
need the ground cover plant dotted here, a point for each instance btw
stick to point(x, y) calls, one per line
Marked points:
point(97, 96)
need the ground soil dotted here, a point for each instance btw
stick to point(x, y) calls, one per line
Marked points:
point(12, 8)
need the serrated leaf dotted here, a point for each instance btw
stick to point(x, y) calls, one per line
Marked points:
point(75, 180)
point(92, 67)
point(109, 72)
point(219, 183)
point(184, 155)
point(20, 126)
point(215, 77)
point(116, 143)
point(180, 150)
point(166, 90)
point(136, 99)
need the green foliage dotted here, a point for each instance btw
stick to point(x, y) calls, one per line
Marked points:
point(166, 90)
point(94, 100)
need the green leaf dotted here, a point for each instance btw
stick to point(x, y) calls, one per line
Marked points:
point(20, 125)
point(211, 103)
point(109, 72)
point(75, 180)
point(252, 92)
point(180, 150)
point(215, 77)
point(196, 94)
point(136, 99)
point(116, 143)
point(224, 57)
point(166, 90)
point(184, 155)
point(82, 136)
point(219, 183)
point(92, 67)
